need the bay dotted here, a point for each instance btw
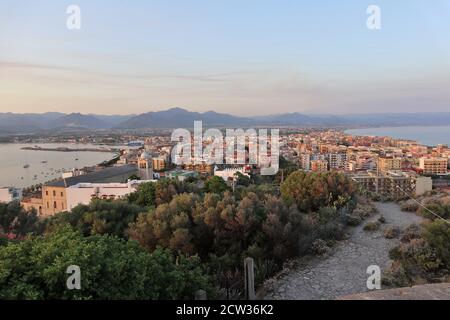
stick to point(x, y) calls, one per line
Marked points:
point(43, 165)
point(430, 136)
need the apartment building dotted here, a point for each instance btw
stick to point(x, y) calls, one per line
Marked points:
point(319, 165)
point(389, 164)
point(395, 184)
point(304, 161)
point(433, 165)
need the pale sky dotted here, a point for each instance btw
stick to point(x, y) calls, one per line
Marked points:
point(246, 57)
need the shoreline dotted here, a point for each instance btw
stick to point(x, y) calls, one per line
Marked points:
point(65, 149)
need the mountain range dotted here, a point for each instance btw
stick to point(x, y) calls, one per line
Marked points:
point(181, 118)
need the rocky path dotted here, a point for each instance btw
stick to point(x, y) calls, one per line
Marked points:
point(343, 272)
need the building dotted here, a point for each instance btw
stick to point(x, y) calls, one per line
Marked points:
point(181, 175)
point(84, 193)
point(304, 161)
point(54, 196)
point(10, 194)
point(336, 160)
point(433, 165)
point(319, 165)
point(230, 173)
point(389, 164)
point(159, 164)
point(145, 166)
point(393, 184)
point(32, 203)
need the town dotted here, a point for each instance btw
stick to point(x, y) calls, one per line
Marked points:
point(390, 168)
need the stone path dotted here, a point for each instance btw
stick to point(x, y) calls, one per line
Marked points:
point(344, 271)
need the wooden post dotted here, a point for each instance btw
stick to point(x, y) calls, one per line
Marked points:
point(200, 295)
point(249, 269)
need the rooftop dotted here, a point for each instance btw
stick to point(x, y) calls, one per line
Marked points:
point(95, 177)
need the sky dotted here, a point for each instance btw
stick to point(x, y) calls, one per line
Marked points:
point(247, 57)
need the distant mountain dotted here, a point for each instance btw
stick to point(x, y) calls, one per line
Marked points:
point(12, 123)
point(79, 121)
point(181, 118)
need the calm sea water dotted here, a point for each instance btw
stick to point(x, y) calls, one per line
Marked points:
point(430, 136)
point(43, 165)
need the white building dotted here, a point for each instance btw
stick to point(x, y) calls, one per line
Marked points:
point(10, 194)
point(230, 173)
point(83, 193)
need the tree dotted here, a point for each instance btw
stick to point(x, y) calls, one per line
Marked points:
point(242, 180)
point(216, 184)
point(99, 217)
point(111, 268)
point(311, 191)
point(16, 221)
point(145, 195)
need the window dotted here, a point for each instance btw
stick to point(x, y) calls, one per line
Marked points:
point(46, 193)
point(62, 194)
point(54, 193)
point(54, 204)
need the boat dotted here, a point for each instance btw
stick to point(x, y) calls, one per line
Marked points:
point(44, 161)
point(26, 166)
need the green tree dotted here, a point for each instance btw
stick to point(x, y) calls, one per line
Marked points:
point(111, 268)
point(145, 195)
point(15, 220)
point(216, 184)
point(99, 217)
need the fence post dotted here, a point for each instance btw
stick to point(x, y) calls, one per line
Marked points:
point(249, 269)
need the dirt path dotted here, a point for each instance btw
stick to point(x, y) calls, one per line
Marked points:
point(344, 271)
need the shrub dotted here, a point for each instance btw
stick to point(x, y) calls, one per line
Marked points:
point(352, 221)
point(382, 220)
point(391, 232)
point(410, 233)
point(319, 247)
point(409, 206)
point(372, 226)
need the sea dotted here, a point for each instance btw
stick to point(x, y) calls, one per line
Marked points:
point(430, 136)
point(43, 166)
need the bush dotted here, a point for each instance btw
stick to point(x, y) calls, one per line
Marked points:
point(331, 231)
point(409, 206)
point(382, 220)
point(410, 233)
point(391, 232)
point(352, 221)
point(319, 247)
point(372, 226)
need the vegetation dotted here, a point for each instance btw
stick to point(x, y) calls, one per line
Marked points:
point(423, 257)
point(110, 269)
point(372, 226)
point(309, 192)
point(171, 238)
point(15, 221)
